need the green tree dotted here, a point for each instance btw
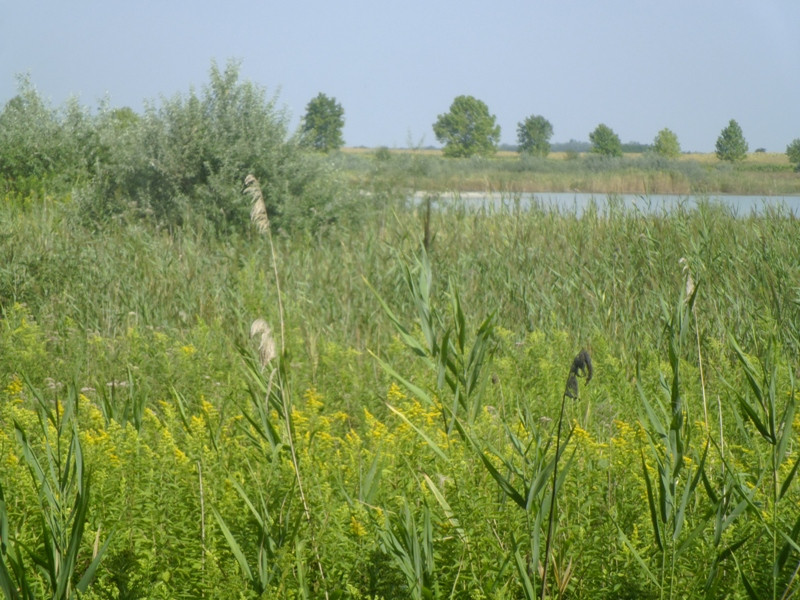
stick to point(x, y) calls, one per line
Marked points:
point(533, 135)
point(605, 142)
point(731, 145)
point(793, 152)
point(468, 129)
point(323, 123)
point(666, 144)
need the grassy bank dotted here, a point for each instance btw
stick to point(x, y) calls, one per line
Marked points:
point(759, 174)
point(400, 444)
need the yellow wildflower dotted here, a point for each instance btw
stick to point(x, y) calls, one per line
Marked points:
point(395, 394)
point(357, 527)
point(352, 438)
point(207, 407)
point(298, 418)
point(14, 387)
point(313, 399)
point(377, 430)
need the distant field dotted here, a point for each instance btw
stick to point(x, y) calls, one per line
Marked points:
point(760, 173)
point(761, 158)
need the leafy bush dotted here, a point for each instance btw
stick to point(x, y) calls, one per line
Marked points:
point(186, 159)
point(42, 148)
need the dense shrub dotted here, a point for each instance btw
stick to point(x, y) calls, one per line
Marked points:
point(43, 148)
point(182, 160)
point(186, 159)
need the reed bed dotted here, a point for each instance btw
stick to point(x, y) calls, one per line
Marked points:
point(760, 173)
point(401, 438)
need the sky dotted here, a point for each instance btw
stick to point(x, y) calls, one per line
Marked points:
point(637, 66)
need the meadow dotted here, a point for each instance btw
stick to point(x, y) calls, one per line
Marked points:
point(400, 440)
point(300, 385)
point(507, 172)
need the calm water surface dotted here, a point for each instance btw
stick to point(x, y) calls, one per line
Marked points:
point(742, 206)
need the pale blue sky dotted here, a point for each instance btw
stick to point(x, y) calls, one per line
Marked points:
point(636, 65)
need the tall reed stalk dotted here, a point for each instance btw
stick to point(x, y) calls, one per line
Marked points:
point(581, 367)
point(775, 427)
point(63, 482)
point(260, 218)
point(276, 393)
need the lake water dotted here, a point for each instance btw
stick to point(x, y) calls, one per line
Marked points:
point(577, 203)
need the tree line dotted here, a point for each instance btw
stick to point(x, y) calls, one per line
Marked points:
point(469, 129)
point(187, 151)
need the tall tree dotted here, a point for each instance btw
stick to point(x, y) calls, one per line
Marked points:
point(323, 123)
point(605, 141)
point(533, 135)
point(793, 152)
point(731, 145)
point(666, 144)
point(468, 129)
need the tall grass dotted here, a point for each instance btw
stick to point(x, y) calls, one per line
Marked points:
point(632, 174)
point(429, 471)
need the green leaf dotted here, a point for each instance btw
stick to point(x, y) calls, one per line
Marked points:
point(637, 556)
point(415, 390)
point(522, 571)
point(88, 575)
point(652, 505)
point(789, 478)
point(448, 511)
point(409, 339)
point(234, 545)
point(688, 491)
point(790, 544)
point(504, 483)
point(786, 431)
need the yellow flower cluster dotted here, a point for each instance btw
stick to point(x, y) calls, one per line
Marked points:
point(357, 527)
point(14, 388)
point(313, 399)
point(395, 395)
point(376, 430)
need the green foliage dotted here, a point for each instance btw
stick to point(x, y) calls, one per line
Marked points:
point(533, 136)
point(183, 162)
point(63, 484)
point(42, 147)
point(433, 475)
point(666, 144)
point(605, 142)
point(793, 153)
point(468, 129)
point(731, 145)
point(322, 124)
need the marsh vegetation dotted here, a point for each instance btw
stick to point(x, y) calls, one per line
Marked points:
point(351, 397)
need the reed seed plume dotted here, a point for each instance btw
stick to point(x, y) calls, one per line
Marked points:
point(687, 272)
point(258, 213)
point(266, 343)
point(581, 367)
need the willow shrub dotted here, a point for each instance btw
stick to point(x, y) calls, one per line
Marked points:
point(181, 161)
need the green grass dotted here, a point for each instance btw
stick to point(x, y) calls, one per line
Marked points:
point(759, 174)
point(196, 455)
